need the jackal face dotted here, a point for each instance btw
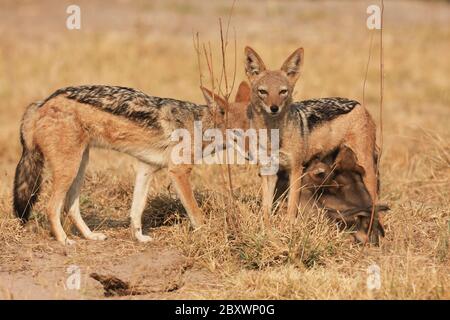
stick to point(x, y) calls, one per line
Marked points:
point(272, 89)
point(230, 115)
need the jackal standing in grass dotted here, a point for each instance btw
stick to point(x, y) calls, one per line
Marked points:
point(306, 132)
point(61, 129)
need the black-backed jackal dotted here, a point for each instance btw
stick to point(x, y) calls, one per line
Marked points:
point(306, 132)
point(61, 129)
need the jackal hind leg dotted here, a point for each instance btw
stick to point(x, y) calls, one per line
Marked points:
point(364, 150)
point(141, 187)
point(179, 174)
point(369, 176)
point(64, 168)
point(72, 206)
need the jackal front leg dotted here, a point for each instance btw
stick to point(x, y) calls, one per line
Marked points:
point(179, 174)
point(141, 187)
point(268, 190)
point(72, 205)
point(295, 183)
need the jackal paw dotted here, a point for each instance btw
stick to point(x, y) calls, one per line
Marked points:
point(69, 242)
point(98, 236)
point(142, 238)
point(197, 224)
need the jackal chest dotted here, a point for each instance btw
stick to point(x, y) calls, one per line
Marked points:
point(291, 151)
point(285, 160)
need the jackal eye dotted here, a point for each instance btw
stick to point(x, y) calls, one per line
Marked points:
point(283, 92)
point(262, 92)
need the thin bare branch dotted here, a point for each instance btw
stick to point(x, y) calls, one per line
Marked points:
point(224, 46)
point(374, 201)
point(221, 86)
point(196, 42)
point(367, 71)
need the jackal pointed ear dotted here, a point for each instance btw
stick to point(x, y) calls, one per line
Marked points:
point(253, 63)
point(292, 65)
point(243, 93)
point(347, 160)
point(213, 99)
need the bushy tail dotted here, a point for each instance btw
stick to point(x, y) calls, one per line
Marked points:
point(28, 177)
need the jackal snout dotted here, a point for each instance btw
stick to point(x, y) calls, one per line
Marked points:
point(272, 90)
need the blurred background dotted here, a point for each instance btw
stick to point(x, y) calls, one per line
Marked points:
point(148, 45)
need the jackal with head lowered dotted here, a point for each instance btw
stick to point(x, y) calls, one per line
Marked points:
point(60, 130)
point(307, 129)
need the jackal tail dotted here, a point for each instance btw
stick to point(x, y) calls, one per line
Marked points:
point(28, 176)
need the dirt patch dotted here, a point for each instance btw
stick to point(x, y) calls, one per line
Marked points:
point(149, 272)
point(152, 272)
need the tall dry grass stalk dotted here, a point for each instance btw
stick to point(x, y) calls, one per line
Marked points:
point(380, 150)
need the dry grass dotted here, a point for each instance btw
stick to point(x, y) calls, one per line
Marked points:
point(148, 45)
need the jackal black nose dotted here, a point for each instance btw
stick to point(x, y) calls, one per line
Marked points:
point(274, 108)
